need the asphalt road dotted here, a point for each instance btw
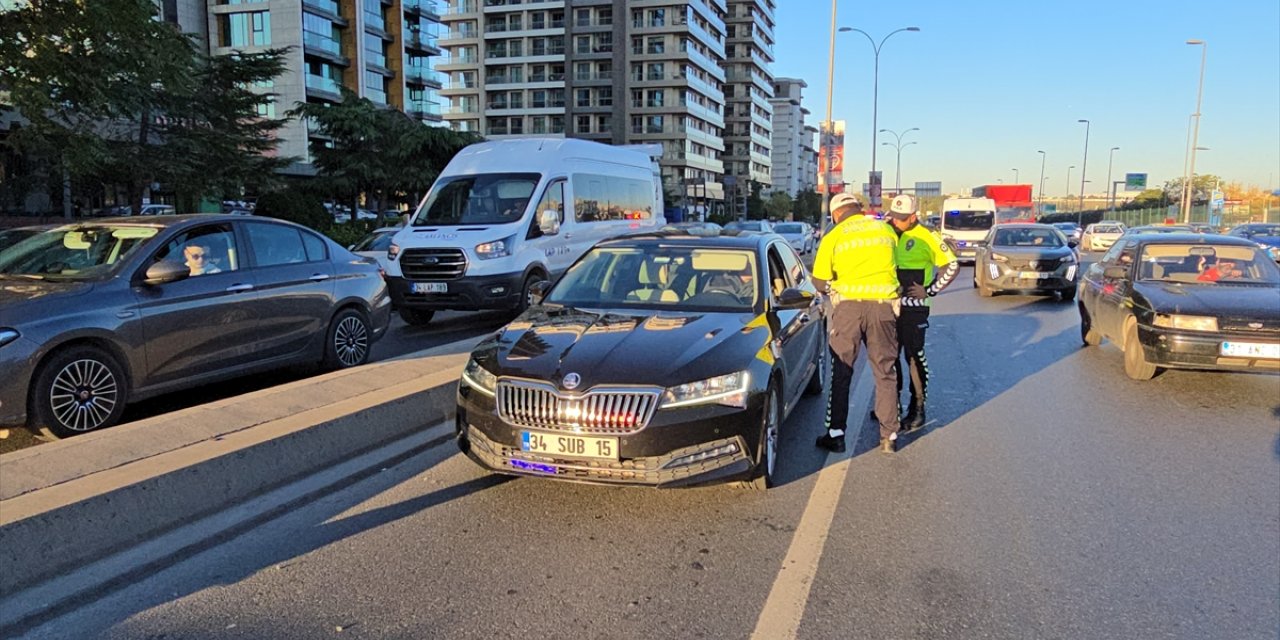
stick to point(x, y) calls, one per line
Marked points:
point(1049, 497)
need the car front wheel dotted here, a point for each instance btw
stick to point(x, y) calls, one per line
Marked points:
point(78, 390)
point(1135, 360)
point(417, 317)
point(767, 451)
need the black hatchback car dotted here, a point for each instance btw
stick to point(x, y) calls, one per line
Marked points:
point(1192, 301)
point(663, 359)
point(97, 314)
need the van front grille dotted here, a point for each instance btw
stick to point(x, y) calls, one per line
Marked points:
point(433, 264)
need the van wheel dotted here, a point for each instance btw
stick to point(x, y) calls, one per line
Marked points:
point(417, 317)
point(526, 293)
point(78, 390)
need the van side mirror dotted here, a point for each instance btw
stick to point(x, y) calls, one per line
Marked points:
point(538, 291)
point(164, 272)
point(794, 298)
point(549, 222)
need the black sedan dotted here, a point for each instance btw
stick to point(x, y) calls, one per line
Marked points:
point(1188, 301)
point(98, 314)
point(661, 359)
point(1028, 258)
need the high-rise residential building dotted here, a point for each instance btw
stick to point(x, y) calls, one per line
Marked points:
point(615, 71)
point(382, 50)
point(792, 137)
point(748, 114)
point(809, 153)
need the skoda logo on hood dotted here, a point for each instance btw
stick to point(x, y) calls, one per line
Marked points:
point(571, 381)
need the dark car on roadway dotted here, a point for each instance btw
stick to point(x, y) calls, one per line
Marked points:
point(1190, 301)
point(1027, 258)
point(762, 226)
point(661, 359)
point(98, 314)
point(1267, 235)
point(1150, 229)
point(1069, 229)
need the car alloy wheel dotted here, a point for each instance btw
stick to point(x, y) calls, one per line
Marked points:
point(351, 341)
point(768, 448)
point(78, 390)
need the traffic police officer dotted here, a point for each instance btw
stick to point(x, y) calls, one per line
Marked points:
point(921, 255)
point(856, 259)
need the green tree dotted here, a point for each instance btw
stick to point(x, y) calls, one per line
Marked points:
point(112, 94)
point(1201, 188)
point(755, 202)
point(779, 206)
point(808, 206)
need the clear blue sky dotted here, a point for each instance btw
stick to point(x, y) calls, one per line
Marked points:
point(990, 82)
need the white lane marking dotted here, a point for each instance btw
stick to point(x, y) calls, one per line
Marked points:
point(784, 608)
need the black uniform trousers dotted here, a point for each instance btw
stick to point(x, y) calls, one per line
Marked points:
point(853, 324)
point(912, 324)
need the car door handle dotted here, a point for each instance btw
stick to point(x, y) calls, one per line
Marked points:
point(567, 236)
point(237, 288)
point(319, 277)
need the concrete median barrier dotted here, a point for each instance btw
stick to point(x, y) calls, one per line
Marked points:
point(69, 503)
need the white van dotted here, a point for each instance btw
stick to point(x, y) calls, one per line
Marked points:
point(965, 223)
point(506, 214)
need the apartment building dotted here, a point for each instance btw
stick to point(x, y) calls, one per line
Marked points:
point(615, 71)
point(383, 50)
point(749, 27)
point(793, 149)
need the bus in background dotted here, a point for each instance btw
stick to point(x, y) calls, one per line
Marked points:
point(965, 223)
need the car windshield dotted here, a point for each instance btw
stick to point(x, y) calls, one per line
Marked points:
point(1106, 228)
point(968, 220)
point(76, 252)
point(1027, 237)
point(745, 226)
point(491, 198)
point(1207, 264)
point(791, 228)
point(678, 278)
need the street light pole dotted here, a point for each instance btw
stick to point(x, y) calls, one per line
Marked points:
point(1187, 190)
point(1040, 193)
point(824, 143)
point(1084, 169)
point(1015, 175)
point(1067, 197)
point(875, 85)
point(1111, 201)
point(898, 144)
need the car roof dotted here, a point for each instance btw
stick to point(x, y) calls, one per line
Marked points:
point(1023, 225)
point(1194, 238)
point(678, 237)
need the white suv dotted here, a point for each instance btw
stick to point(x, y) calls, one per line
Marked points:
point(1099, 236)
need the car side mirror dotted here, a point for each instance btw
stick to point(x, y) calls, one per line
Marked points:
point(549, 222)
point(794, 298)
point(1115, 273)
point(164, 272)
point(538, 291)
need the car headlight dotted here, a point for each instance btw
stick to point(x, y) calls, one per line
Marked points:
point(1193, 323)
point(998, 258)
point(730, 390)
point(496, 249)
point(393, 252)
point(7, 336)
point(479, 378)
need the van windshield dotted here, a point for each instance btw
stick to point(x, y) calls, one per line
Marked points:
point(490, 198)
point(968, 220)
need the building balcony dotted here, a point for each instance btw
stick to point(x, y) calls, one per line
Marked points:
point(424, 109)
point(422, 41)
point(326, 9)
point(429, 9)
point(323, 87)
point(462, 8)
point(424, 76)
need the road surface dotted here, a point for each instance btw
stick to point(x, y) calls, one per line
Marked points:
point(1049, 497)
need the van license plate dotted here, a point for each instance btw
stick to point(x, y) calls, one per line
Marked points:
point(431, 287)
point(1251, 350)
point(555, 444)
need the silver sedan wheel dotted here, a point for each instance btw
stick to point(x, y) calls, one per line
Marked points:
point(83, 395)
point(351, 341)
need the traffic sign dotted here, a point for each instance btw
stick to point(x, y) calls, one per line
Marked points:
point(1135, 181)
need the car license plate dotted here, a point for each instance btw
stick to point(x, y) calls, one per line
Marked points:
point(1251, 350)
point(557, 444)
point(430, 287)
point(1034, 275)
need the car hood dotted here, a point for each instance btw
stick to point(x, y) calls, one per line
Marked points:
point(25, 298)
point(1031, 253)
point(1212, 300)
point(623, 347)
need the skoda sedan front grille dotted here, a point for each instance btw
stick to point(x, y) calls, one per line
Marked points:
point(613, 411)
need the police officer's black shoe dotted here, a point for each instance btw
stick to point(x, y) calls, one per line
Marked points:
point(913, 421)
point(831, 443)
point(888, 445)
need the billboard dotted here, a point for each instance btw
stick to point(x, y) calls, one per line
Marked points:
point(876, 179)
point(1135, 181)
point(831, 148)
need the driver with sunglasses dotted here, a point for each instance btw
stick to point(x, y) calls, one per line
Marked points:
point(197, 260)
